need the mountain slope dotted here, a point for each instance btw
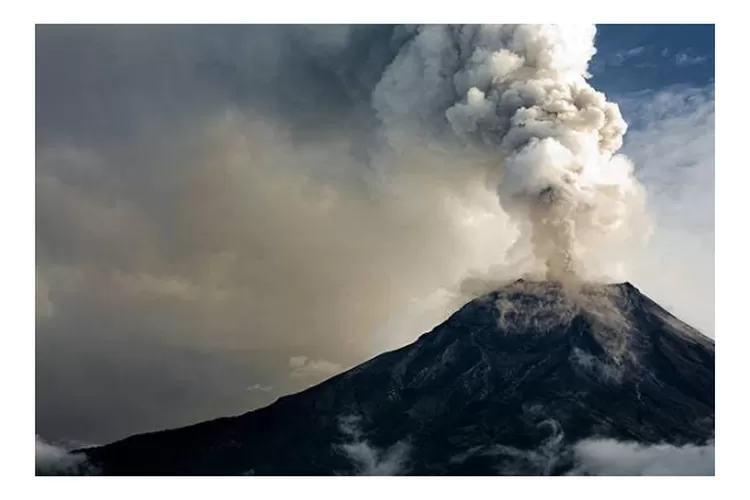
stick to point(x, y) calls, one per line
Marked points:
point(505, 385)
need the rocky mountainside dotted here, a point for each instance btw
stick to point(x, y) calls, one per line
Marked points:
point(507, 385)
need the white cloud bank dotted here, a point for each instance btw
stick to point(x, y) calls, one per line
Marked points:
point(53, 460)
point(672, 147)
point(607, 457)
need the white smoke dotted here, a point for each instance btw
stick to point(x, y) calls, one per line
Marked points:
point(519, 96)
point(368, 460)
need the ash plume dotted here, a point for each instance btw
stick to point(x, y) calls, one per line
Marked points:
point(518, 95)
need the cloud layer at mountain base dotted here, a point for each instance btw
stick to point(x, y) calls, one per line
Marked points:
point(605, 457)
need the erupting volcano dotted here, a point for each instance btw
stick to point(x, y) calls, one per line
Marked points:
point(529, 378)
point(512, 383)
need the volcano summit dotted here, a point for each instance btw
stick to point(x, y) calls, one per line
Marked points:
point(509, 384)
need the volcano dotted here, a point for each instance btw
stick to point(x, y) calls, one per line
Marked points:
point(507, 385)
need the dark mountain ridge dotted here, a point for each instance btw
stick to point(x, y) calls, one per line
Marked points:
point(506, 385)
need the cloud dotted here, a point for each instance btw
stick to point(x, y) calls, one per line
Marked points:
point(304, 367)
point(368, 460)
point(260, 387)
point(607, 457)
point(596, 457)
point(687, 58)
point(672, 145)
point(619, 58)
point(52, 460)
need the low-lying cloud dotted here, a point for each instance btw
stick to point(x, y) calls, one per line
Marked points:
point(608, 457)
point(367, 459)
point(53, 460)
point(302, 367)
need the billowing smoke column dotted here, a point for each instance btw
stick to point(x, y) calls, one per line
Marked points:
point(519, 95)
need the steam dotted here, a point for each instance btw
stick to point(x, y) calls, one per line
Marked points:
point(368, 460)
point(518, 95)
point(53, 460)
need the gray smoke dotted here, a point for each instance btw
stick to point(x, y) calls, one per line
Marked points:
point(518, 95)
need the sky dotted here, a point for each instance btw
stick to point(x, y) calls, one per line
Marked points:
point(662, 76)
point(213, 230)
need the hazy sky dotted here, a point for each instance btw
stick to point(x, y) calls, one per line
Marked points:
point(216, 228)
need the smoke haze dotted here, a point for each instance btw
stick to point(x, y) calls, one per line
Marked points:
point(222, 208)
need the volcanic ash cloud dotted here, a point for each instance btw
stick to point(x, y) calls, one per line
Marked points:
point(519, 95)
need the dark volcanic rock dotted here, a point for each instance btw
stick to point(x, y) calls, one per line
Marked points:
point(505, 385)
